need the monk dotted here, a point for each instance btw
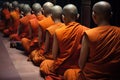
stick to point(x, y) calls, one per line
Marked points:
point(23, 29)
point(15, 16)
point(56, 16)
point(5, 16)
point(66, 46)
point(31, 43)
point(100, 53)
point(43, 25)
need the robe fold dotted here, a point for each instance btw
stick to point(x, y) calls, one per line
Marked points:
point(24, 28)
point(51, 30)
point(13, 27)
point(69, 40)
point(104, 56)
point(32, 43)
point(44, 24)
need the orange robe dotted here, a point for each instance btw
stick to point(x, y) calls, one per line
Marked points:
point(32, 43)
point(69, 40)
point(5, 19)
point(51, 30)
point(37, 54)
point(24, 25)
point(104, 56)
point(15, 16)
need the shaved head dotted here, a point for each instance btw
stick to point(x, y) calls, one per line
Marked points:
point(15, 4)
point(26, 9)
point(70, 12)
point(56, 12)
point(36, 7)
point(102, 11)
point(102, 8)
point(21, 6)
point(47, 8)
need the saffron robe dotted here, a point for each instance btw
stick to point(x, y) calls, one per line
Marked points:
point(15, 16)
point(103, 61)
point(24, 28)
point(5, 15)
point(32, 43)
point(69, 40)
point(37, 54)
point(51, 30)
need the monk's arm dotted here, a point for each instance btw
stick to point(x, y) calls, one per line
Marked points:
point(84, 52)
point(39, 36)
point(47, 41)
point(55, 47)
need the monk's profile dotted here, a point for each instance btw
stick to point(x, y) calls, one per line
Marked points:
point(100, 53)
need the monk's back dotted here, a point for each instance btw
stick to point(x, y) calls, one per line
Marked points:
point(104, 58)
point(69, 39)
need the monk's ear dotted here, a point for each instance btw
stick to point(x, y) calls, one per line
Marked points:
point(78, 15)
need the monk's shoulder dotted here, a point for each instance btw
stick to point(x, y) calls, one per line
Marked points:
point(34, 23)
point(40, 17)
point(45, 23)
point(54, 27)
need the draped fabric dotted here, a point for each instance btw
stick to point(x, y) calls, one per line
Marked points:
point(104, 57)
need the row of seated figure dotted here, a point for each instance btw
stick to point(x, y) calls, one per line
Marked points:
point(63, 48)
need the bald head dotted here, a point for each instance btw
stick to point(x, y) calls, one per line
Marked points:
point(102, 11)
point(36, 7)
point(26, 9)
point(70, 12)
point(21, 6)
point(56, 12)
point(102, 8)
point(15, 4)
point(47, 8)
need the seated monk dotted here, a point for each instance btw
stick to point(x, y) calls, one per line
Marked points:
point(43, 25)
point(56, 16)
point(15, 16)
point(31, 43)
point(66, 46)
point(23, 29)
point(100, 53)
point(5, 16)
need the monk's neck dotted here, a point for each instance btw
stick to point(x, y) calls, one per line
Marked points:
point(57, 20)
point(37, 14)
point(47, 15)
point(68, 22)
point(104, 23)
point(28, 14)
